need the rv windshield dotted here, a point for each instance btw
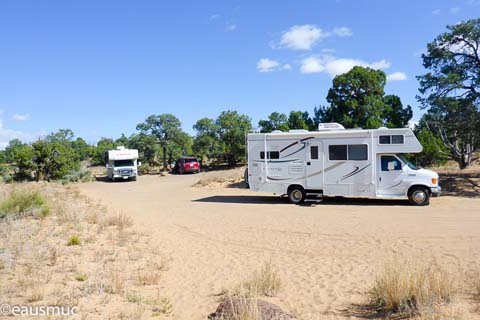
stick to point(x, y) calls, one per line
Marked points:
point(123, 163)
point(408, 163)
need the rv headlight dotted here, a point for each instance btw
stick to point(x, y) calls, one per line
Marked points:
point(434, 181)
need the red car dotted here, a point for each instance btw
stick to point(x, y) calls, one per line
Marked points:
point(186, 164)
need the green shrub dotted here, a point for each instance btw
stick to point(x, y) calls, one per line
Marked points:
point(74, 241)
point(78, 176)
point(20, 203)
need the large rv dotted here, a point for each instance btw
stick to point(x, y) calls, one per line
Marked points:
point(122, 164)
point(334, 161)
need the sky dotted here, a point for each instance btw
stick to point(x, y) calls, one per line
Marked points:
point(101, 67)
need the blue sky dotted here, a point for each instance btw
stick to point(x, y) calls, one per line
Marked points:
point(101, 67)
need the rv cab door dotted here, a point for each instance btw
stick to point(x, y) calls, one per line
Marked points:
point(391, 176)
point(314, 166)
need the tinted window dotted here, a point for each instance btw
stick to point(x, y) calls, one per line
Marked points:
point(357, 152)
point(384, 139)
point(190, 160)
point(314, 152)
point(396, 163)
point(123, 163)
point(270, 155)
point(337, 152)
point(397, 139)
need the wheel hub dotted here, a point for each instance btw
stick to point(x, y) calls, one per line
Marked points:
point(297, 195)
point(419, 196)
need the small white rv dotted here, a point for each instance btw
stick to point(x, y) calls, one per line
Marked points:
point(122, 164)
point(334, 161)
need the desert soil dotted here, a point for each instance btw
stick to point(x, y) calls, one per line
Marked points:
point(327, 255)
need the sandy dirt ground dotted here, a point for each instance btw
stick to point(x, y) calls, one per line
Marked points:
point(326, 254)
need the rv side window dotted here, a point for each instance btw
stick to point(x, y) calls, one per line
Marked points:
point(397, 139)
point(337, 152)
point(384, 139)
point(270, 155)
point(393, 139)
point(357, 152)
point(314, 152)
point(390, 163)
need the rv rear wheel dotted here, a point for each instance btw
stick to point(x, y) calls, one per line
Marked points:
point(419, 196)
point(296, 194)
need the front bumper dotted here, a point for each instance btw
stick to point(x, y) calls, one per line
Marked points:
point(436, 191)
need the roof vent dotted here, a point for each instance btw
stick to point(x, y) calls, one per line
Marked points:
point(330, 126)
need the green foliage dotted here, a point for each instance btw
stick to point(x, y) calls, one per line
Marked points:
point(223, 138)
point(394, 115)
point(53, 159)
point(275, 121)
point(451, 89)
point(167, 130)
point(20, 203)
point(298, 120)
point(207, 143)
point(74, 241)
point(147, 147)
point(232, 129)
point(357, 100)
point(455, 122)
point(20, 155)
point(453, 61)
point(434, 152)
point(103, 145)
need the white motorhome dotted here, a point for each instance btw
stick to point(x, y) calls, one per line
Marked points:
point(334, 161)
point(122, 164)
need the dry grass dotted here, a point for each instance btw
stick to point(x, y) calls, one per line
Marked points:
point(41, 260)
point(220, 177)
point(474, 281)
point(119, 220)
point(264, 282)
point(410, 287)
point(24, 202)
point(244, 306)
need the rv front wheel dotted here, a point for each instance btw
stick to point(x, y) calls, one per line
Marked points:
point(296, 194)
point(419, 196)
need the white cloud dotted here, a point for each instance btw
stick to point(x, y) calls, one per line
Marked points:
point(311, 65)
point(342, 32)
point(396, 76)
point(20, 117)
point(436, 12)
point(287, 66)
point(382, 64)
point(454, 10)
point(214, 17)
point(230, 27)
point(333, 66)
point(267, 65)
point(302, 37)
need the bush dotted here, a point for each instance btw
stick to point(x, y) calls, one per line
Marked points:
point(78, 176)
point(405, 287)
point(22, 203)
point(74, 241)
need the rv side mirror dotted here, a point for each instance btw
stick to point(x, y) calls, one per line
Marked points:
point(391, 166)
point(139, 163)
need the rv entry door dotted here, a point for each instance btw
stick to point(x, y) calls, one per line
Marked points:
point(314, 166)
